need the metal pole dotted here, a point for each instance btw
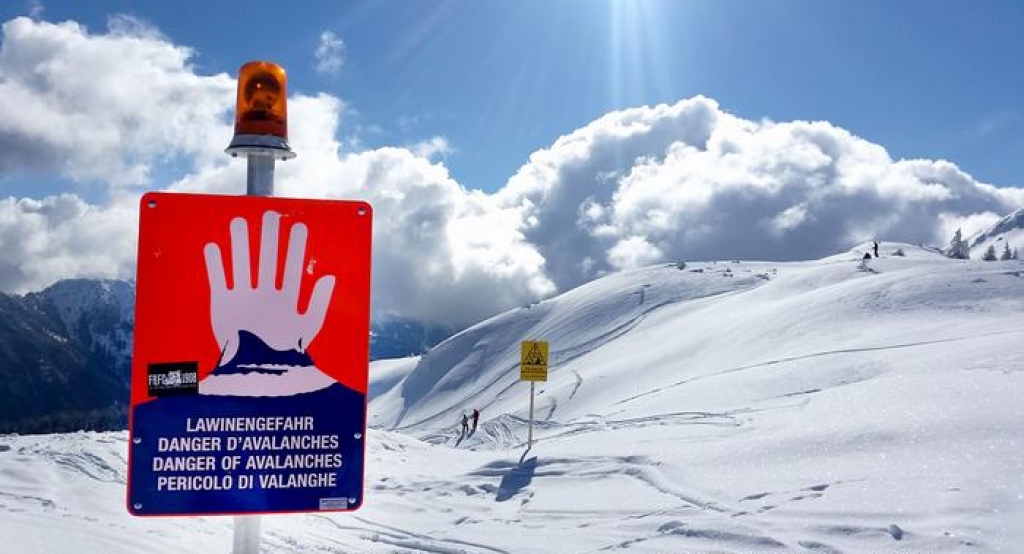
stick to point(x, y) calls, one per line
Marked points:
point(247, 535)
point(259, 181)
point(529, 441)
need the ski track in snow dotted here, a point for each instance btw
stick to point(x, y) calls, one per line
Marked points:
point(393, 536)
point(815, 355)
point(579, 383)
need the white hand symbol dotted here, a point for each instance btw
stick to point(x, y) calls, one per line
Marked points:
point(270, 313)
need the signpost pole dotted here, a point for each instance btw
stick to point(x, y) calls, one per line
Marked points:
point(262, 150)
point(259, 179)
point(529, 441)
point(247, 535)
point(533, 367)
point(259, 182)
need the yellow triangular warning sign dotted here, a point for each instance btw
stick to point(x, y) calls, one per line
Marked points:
point(533, 360)
point(534, 356)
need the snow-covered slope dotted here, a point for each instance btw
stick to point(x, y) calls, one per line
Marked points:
point(1006, 231)
point(639, 332)
point(824, 406)
point(752, 405)
point(388, 373)
point(479, 367)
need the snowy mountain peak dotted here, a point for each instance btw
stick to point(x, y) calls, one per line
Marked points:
point(99, 312)
point(1012, 222)
point(1007, 231)
point(72, 297)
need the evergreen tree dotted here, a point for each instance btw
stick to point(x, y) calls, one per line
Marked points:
point(1007, 255)
point(990, 254)
point(958, 248)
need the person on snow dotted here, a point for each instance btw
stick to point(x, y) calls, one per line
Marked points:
point(876, 248)
point(465, 423)
point(476, 418)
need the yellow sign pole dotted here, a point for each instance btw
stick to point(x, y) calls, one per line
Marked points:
point(529, 440)
point(533, 367)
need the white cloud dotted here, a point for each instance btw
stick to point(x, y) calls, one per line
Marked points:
point(436, 146)
point(42, 241)
point(633, 187)
point(133, 27)
point(104, 107)
point(689, 181)
point(330, 54)
point(633, 252)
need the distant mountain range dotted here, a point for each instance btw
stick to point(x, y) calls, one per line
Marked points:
point(65, 355)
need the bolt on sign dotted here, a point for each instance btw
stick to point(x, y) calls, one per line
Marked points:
point(250, 365)
point(533, 361)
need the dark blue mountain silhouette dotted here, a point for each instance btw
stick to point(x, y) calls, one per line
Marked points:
point(252, 351)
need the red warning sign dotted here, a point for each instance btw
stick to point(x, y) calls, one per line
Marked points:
point(251, 353)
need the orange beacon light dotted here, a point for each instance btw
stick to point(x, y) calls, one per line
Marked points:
point(261, 112)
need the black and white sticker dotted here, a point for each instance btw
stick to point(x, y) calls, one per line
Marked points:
point(173, 378)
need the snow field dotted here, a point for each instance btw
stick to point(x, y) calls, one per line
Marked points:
point(724, 407)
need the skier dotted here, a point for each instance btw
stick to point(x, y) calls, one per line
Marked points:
point(867, 256)
point(465, 423)
point(476, 418)
point(876, 248)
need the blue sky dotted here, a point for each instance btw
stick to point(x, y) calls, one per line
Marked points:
point(515, 149)
point(499, 80)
